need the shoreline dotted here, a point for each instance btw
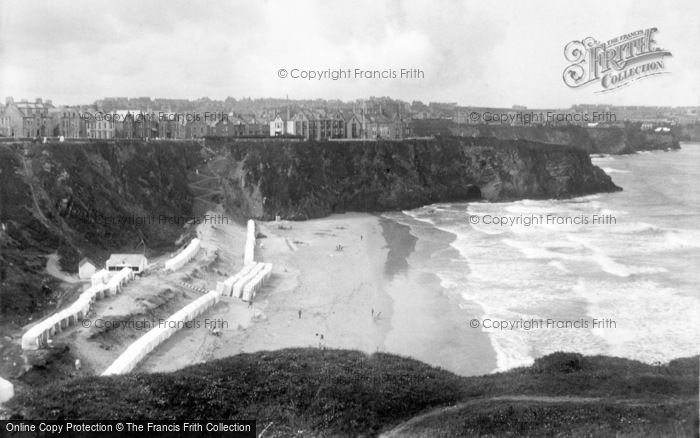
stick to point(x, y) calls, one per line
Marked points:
point(374, 295)
point(432, 325)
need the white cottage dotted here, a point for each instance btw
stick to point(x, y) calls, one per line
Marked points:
point(86, 268)
point(135, 262)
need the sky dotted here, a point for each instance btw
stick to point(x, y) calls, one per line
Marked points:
point(470, 52)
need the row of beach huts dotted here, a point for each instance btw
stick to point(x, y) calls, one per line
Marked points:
point(107, 282)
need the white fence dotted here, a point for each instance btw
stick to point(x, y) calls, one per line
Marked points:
point(246, 282)
point(249, 254)
point(184, 256)
point(135, 353)
point(243, 285)
point(255, 284)
point(39, 334)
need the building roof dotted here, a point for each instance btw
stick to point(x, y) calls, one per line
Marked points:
point(126, 259)
point(85, 260)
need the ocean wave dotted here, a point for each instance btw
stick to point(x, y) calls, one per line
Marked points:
point(613, 170)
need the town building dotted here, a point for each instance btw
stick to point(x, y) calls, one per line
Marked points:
point(353, 125)
point(71, 122)
point(197, 128)
point(100, 126)
point(171, 125)
point(27, 119)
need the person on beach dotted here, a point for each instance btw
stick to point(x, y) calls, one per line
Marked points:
point(299, 313)
point(372, 312)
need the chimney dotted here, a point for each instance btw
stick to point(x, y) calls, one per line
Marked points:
point(38, 100)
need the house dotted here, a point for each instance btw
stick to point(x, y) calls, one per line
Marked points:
point(224, 128)
point(136, 262)
point(101, 126)
point(299, 124)
point(70, 122)
point(386, 127)
point(27, 119)
point(257, 126)
point(197, 128)
point(171, 125)
point(5, 126)
point(279, 125)
point(86, 268)
point(353, 125)
point(125, 123)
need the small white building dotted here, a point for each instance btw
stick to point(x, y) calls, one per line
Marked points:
point(86, 268)
point(135, 262)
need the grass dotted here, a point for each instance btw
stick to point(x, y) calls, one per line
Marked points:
point(309, 392)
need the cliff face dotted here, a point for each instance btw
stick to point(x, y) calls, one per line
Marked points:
point(97, 198)
point(612, 140)
point(84, 199)
point(688, 132)
point(301, 180)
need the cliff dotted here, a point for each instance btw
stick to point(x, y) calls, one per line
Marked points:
point(687, 132)
point(603, 140)
point(87, 198)
point(96, 198)
point(301, 180)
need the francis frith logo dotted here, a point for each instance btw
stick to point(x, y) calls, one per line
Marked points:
point(614, 63)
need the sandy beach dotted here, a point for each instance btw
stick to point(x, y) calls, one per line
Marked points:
point(347, 278)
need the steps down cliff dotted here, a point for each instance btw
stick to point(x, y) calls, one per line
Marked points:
point(302, 180)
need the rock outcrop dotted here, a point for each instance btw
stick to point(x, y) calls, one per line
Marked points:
point(598, 140)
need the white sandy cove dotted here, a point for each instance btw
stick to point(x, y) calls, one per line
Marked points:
point(334, 291)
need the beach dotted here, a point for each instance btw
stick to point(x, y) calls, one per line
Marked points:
point(344, 282)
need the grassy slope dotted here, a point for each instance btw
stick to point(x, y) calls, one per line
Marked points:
point(337, 392)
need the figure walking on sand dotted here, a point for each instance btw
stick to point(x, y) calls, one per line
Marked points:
point(299, 313)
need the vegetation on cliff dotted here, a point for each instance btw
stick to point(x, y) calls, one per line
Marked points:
point(301, 180)
point(93, 198)
point(625, 139)
point(310, 392)
point(82, 199)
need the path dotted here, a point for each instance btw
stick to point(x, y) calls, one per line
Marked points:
point(405, 429)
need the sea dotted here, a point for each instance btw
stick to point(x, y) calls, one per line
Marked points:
point(607, 274)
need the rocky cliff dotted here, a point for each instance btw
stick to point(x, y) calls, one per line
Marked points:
point(608, 140)
point(84, 199)
point(97, 198)
point(301, 180)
